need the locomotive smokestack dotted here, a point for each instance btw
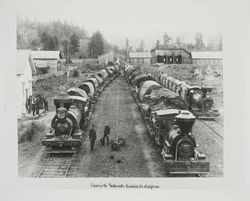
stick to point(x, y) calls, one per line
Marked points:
point(185, 121)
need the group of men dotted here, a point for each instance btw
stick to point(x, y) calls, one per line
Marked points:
point(92, 136)
point(33, 103)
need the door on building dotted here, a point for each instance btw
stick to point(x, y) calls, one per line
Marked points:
point(159, 59)
point(165, 59)
point(178, 59)
point(170, 59)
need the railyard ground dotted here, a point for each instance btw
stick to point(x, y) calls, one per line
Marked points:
point(139, 158)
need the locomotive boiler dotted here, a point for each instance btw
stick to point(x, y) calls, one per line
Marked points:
point(179, 145)
point(65, 134)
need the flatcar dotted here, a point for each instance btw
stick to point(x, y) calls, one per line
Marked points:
point(170, 126)
point(198, 99)
point(73, 111)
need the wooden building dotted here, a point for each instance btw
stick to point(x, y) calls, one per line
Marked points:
point(139, 57)
point(210, 58)
point(171, 56)
point(46, 61)
point(24, 80)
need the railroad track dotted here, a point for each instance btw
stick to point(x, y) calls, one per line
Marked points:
point(56, 166)
point(184, 175)
point(214, 126)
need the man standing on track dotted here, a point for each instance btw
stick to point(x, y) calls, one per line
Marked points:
point(106, 134)
point(92, 137)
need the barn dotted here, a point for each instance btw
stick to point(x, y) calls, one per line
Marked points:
point(24, 79)
point(46, 61)
point(211, 58)
point(171, 56)
point(139, 57)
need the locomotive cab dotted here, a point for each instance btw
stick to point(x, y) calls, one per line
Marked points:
point(199, 98)
point(162, 121)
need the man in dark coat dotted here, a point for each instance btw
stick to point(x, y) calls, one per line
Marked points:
point(106, 134)
point(45, 102)
point(37, 105)
point(33, 105)
point(92, 138)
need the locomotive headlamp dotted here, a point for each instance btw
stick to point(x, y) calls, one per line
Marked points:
point(61, 113)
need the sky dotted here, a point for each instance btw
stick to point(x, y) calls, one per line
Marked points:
point(132, 19)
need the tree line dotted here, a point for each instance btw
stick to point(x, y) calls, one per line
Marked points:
point(214, 43)
point(73, 40)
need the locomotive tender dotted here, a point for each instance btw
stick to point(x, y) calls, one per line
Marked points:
point(169, 124)
point(73, 112)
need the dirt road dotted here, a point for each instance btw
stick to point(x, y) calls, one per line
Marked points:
point(139, 158)
point(211, 144)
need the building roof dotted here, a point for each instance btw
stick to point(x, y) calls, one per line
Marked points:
point(139, 55)
point(207, 55)
point(170, 48)
point(22, 60)
point(45, 54)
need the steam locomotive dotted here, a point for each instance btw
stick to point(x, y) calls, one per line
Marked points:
point(169, 123)
point(73, 112)
point(198, 99)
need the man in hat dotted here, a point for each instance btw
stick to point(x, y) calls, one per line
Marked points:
point(45, 102)
point(37, 105)
point(106, 134)
point(33, 105)
point(92, 137)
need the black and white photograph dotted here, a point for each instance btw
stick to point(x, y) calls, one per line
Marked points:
point(110, 101)
point(111, 90)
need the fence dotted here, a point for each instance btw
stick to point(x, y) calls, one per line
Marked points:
point(45, 76)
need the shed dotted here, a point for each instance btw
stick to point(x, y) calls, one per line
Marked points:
point(46, 61)
point(139, 57)
point(207, 57)
point(171, 56)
